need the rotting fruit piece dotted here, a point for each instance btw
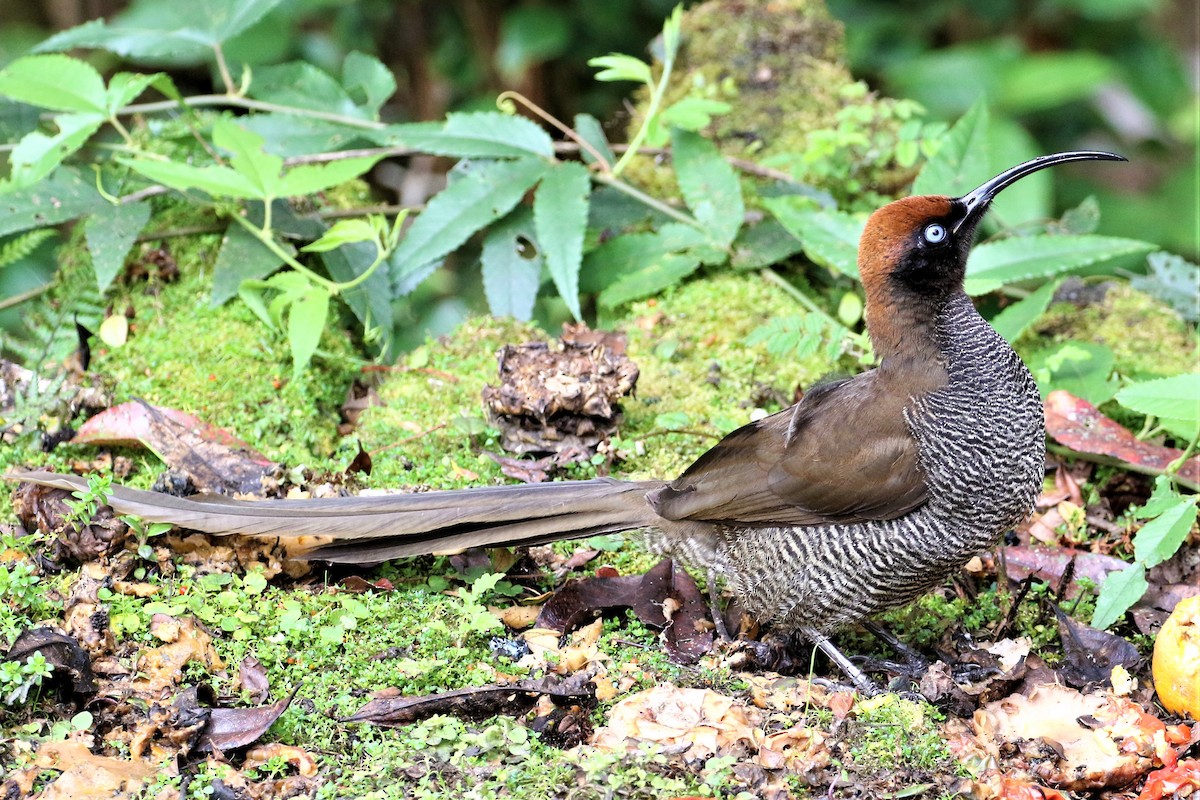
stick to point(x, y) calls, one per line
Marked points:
point(1177, 660)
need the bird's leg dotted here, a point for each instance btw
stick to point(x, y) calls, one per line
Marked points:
point(859, 678)
point(914, 664)
point(714, 607)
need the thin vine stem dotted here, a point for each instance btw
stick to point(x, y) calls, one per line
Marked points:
point(258, 233)
point(804, 300)
point(642, 197)
point(550, 119)
point(238, 101)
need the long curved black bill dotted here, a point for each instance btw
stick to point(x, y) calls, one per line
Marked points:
point(976, 201)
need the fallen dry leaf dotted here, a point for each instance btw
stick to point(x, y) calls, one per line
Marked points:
point(1063, 738)
point(85, 776)
point(700, 723)
point(1080, 426)
point(304, 761)
point(230, 728)
point(61, 652)
point(1090, 654)
point(214, 460)
point(160, 669)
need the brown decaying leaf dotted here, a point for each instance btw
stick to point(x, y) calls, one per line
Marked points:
point(160, 669)
point(215, 460)
point(1058, 736)
point(81, 775)
point(1050, 563)
point(304, 761)
point(252, 679)
point(1090, 654)
point(61, 652)
point(551, 400)
point(230, 728)
point(1080, 426)
point(478, 702)
point(46, 509)
point(687, 635)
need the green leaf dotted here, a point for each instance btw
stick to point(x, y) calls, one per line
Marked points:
point(110, 234)
point(694, 113)
point(216, 180)
point(125, 87)
point(22, 246)
point(312, 178)
point(482, 134)
point(344, 231)
point(306, 322)
point(291, 135)
point(174, 32)
point(829, 238)
point(763, 244)
point(1082, 368)
point(368, 81)
point(1174, 280)
point(963, 161)
point(1176, 397)
point(242, 257)
point(1040, 81)
point(709, 185)
point(1016, 318)
point(248, 159)
point(37, 154)
point(57, 82)
point(1118, 593)
point(530, 35)
point(301, 85)
point(994, 264)
point(1160, 538)
point(590, 130)
point(618, 67)
point(63, 195)
point(512, 266)
point(1029, 200)
point(665, 271)
point(487, 191)
point(560, 213)
point(371, 300)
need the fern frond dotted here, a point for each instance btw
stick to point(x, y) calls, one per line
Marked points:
point(22, 245)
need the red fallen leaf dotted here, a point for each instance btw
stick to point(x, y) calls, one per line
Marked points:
point(213, 458)
point(1163, 784)
point(1080, 426)
point(1048, 563)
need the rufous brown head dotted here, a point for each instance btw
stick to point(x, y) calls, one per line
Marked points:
point(918, 245)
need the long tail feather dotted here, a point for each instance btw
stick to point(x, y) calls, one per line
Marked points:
point(378, 528)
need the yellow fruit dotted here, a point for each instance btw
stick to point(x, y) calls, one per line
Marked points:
point(1177, 660)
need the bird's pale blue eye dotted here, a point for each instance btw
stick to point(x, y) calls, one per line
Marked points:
point(935, 234)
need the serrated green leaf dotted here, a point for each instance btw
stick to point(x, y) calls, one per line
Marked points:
point(1029, 200)
point(1176, 397)
point(590, 130)
point(709, 185)
point(246, 156)
point(125, 87)
point(291, 135)
point(964, 159)
point(368, 81)
point(306, 322)
point(763, 244)
point(110, 234)
point(177, 33)
point(252, 295)
point(1174, 280)
point(216, 180)
point(560, 213)
point(61, 196)
point(482, 134)
point(994, 264)
point(488, 191)
point(371, 300)
point(694, 113)
point(1160, 538)
point(1163, 497)
point(619, 67)
point(56, 82)
point(512, 266)
point(300, 84)
point(37, 154)
point(1016, 319)
point(665, 271)
point(242, 257)
point(344, 231)
point(312, 178)
point(1082, 368)
point(829, 238)
point(1118, 593)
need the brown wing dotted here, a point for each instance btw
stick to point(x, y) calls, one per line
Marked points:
point(842, 454)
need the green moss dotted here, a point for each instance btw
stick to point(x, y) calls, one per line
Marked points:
point(798, 109)
point(1148, 339)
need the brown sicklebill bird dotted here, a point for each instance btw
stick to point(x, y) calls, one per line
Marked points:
point(864, 495)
